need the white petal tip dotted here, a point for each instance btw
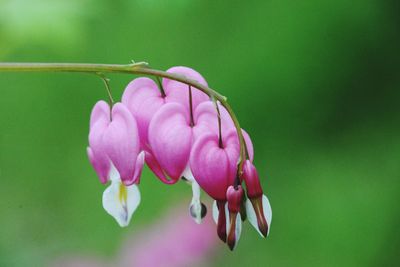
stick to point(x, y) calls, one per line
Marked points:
point(198, 211)
point(121, 201)
point(215, 212)
point(252, 217)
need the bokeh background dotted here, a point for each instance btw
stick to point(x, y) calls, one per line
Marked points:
point(315, 83)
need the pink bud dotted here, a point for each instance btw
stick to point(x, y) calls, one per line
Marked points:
point(250, 177)
point(234, 197)
point(234, 223)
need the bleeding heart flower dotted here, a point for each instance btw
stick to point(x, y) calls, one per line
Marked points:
point(258, 209)
point(144, 98)
point(114, 153)
point(172, 133)
point(214, 166)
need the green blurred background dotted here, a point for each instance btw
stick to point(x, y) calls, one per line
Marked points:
point(315, 83)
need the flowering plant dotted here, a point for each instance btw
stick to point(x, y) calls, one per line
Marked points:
point(182, 130)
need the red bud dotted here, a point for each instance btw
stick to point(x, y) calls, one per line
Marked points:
point(250, 177)
point(234, 197)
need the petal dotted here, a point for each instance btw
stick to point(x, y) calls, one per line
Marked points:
point(249, 144)
point(195, 207)
point(138, 167)
point(187, 173)
point(143, 99)
point(213, 167)
point(99, 121)
point(156, 169)
point(221, 225)
point(234, 227)
point(100, 113)
point(179, 92)
point(232, 140)
point(101, 164)
point(206, 119)
point(253, 216)
point(121, 201)
point(215, 212)
point(121, 142)
point(170, 138)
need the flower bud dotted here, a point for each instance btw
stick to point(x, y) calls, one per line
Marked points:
point(250, 177)
point(234, 197)
point(233, 221)
point(258, 208)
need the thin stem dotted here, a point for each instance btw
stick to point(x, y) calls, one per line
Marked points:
point(191, 107)
point(221, 145)
point(160, 87)
point(135, 68)
point(106, 82)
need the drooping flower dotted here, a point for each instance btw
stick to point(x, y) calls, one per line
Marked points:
point(214, 166)
point(114, 152)
point(170, 119)
point(258, 209)
point(173, 131)
point(144, 99)
point(183, 134)
point(172, 134)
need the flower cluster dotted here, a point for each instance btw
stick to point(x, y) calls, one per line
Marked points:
point(180, 134)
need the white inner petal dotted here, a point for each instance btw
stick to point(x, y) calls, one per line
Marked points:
point(238, 227)
point(187, 173)
point(195, 204)
point(121, 201)
point(227, 219)
point(215, 212)
point(251, 215)
point(267, 211)
point(113, 173)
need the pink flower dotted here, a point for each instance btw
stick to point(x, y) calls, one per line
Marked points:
point(144, 98)
point(181, 133)
point(169, 121)
point(172, 134)
point(173, 131)
point(114, 153)
point(214, 166)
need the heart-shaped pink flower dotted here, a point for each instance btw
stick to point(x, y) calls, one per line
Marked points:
point(214, 166)
point(114, 140)
point(171, 134)
point(114, 151)
point(143, 97)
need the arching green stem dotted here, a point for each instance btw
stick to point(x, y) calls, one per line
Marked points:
point(135, 68)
